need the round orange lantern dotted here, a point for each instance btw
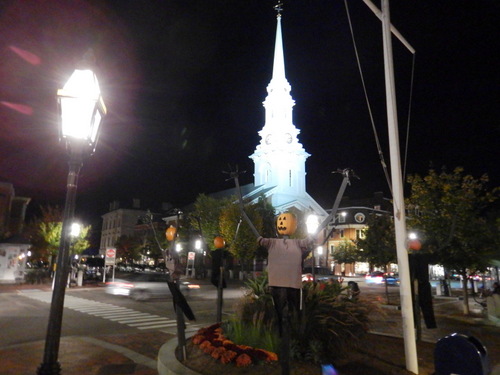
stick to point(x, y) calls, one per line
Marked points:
point(286, 224)
point(170, 233)
point(219, 242)
point(414, 245)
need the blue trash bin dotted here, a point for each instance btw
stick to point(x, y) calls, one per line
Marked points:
point(460, 354)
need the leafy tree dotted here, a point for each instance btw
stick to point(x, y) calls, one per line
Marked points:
point(81, 243)
point(44, 243)
point(45, 234)
point(379, 246)
point(128, 247)
point(450, 210)
point(50, 233)
point(243, 245)
point(206, 214)
point(346, 252)
point(268, 214)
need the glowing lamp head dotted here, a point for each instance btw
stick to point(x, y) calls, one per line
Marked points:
point(81, 108)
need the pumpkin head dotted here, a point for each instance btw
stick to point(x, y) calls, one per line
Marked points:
point(170, 233)
point(219, 242)
point(286, 224)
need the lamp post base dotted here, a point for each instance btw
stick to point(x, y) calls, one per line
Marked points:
point(49, 369)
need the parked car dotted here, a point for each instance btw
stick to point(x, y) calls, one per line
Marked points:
point(145, 286)
point(320, 274)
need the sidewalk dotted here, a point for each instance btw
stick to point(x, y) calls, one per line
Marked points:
point(81, 355)
point(134, 354)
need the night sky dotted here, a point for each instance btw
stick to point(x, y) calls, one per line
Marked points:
point(184, 83)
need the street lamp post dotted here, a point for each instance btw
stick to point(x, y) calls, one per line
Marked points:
point(81, 111)
point(312, 224)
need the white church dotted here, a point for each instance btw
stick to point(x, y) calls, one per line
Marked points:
point(279, 158)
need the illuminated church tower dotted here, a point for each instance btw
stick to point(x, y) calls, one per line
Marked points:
point(279, 158)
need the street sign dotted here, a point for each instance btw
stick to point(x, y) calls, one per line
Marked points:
point(110, 257)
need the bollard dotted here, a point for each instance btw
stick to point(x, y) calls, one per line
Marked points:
point(79, 278)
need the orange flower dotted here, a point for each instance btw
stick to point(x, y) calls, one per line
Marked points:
point(227, 356)
point(243, 360)
point(209, 349)
point(217, 353)
point(270, 355)
point(198, 339)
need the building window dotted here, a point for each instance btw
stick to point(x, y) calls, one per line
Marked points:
point(341, 233)
point(359, 217)
point(360, 234)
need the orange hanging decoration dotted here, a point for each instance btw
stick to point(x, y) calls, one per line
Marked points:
point(414, 245)
point(219, 242)
point(170, 233)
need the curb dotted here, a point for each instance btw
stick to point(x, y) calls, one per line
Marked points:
point(167, 361)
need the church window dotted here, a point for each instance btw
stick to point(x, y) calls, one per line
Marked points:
point(289, 177)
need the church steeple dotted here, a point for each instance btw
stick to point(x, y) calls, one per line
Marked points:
point(279, 58)
point(280, 158)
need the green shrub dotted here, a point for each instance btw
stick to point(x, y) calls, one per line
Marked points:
point(329, 324)
point(257, 303)
point(36, 276)
point(253, 334)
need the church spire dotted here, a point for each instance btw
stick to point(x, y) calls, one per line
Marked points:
point(280, 158)
point(279, 59)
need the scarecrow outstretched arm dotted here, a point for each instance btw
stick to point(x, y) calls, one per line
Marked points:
point(347, 173)
point(240, 201)
point(249, 222)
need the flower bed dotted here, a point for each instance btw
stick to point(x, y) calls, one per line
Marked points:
point(213, 342)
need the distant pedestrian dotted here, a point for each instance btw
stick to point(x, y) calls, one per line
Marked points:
point(353, 291)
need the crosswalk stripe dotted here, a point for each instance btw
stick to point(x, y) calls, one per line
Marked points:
point(117, 314)
point(149, 324)
point(159, 326)
point(141, 319)
point(135, 315)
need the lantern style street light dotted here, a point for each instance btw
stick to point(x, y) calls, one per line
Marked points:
point(312, 224)
point(81, 111)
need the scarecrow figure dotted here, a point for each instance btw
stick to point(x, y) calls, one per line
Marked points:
point(285, 263)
